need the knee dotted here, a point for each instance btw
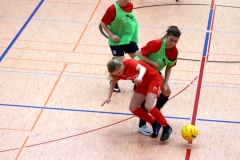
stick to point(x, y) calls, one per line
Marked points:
point(132, 108)
point(148, 107)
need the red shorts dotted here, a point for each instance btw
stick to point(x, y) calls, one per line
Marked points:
point(153, 86)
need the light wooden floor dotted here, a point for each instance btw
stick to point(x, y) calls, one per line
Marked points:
point(53, 80)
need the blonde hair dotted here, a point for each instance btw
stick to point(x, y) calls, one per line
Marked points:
point(112, 65)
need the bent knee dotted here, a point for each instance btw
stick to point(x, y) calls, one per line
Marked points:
point(148, 107)
point(132, 108)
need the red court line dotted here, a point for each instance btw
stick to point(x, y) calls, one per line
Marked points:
point(199, 83)
point(59, 139)
point(184, 88)
point(10, 129)
point(23, 145)
point(86, 25)
point(194, 115)
point(201, 72)
point(188, 153)
point(93, 129)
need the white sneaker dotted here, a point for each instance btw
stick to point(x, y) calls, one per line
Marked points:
point(116, 88)
point(144, 130)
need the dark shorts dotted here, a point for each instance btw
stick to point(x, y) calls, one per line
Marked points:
point(122, 49)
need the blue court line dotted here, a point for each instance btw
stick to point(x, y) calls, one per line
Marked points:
point(221, 121)
point(210, 19)
point(80, 76)
point(202, 67)
point(205, 45)
point(18, 34)
point(115, 113)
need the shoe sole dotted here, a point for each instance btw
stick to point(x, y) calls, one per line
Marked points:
point(146, 134)
point(116, 90)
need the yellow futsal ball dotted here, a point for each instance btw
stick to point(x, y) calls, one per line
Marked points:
point(189, 132)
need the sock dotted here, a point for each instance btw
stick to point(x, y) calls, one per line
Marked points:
point(158, 116)
point(143, 115)
point(161, 101)
point(142, 122)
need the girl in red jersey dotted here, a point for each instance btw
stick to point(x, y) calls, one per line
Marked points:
point(121, 27)
point(161, 53)
point(148, 83)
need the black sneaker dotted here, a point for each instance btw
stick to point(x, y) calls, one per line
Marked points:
point(167, 130)
point(156, 127)
point(116, 88)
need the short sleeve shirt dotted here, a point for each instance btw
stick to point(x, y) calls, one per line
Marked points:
point(110, 14)
point(155, 45)
point(131, 73)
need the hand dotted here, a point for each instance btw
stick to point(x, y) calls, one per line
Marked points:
point(106, 101)
point(155, 65)
point(137, 81)
point(115, 38)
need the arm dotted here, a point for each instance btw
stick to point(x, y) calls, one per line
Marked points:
point(115, 38)
point(167, 75)
point(108, 99)
point(142, 71)
point(147, 60)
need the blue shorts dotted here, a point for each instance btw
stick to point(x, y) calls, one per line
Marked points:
point(127, 48)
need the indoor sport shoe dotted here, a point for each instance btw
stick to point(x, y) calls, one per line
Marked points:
point(156, 127)
point(116, 88)
point(167, 130)
point(144, 130)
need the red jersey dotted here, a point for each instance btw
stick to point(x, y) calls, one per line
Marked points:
point(130, 71)
point(155, 45)
point(110, 14)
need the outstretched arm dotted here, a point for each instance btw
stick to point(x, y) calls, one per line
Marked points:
point(108, 99)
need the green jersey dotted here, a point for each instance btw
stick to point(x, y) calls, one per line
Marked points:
point(160, 57)
point(125, 26)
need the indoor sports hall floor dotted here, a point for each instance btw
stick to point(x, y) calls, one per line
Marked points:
point(53, 80)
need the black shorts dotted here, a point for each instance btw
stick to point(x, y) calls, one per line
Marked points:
point(122, 49)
